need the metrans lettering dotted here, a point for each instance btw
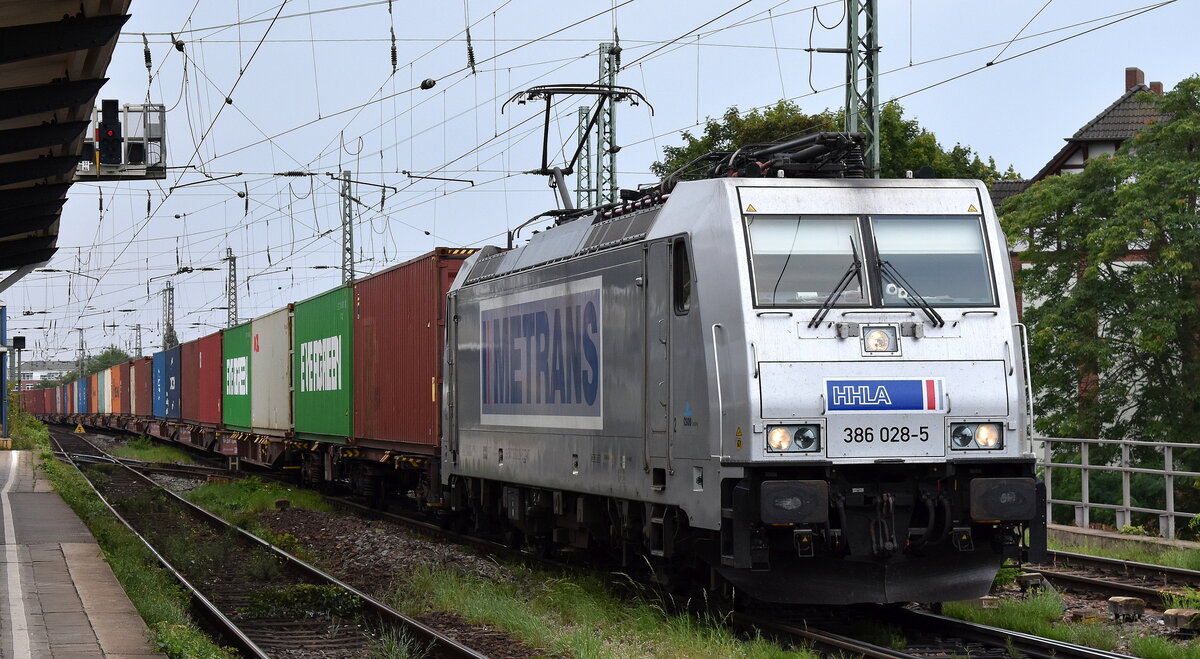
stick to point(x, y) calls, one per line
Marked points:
point(235, 376)
point(541, 357)
point(321, 365)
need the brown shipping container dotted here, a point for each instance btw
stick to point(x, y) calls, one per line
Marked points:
point(141, 386)
point(201, 371)
point(125, 403)
point(399, 331)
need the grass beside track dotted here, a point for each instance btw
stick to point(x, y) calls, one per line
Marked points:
point(1188, 559)
point(143, 448)
point(161, 602)
point(577, 616)
point(1040, 615)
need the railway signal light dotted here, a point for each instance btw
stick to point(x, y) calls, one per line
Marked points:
point(109, 129)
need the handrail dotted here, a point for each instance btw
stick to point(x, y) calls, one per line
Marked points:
point(1125, 509)
point(1028, 379)
point(717, 370)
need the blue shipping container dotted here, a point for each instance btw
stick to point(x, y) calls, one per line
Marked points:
point(81, 395)
point(174, 383)
point(159, 378)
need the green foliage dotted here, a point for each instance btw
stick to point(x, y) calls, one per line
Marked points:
point(1185, 598)
point(243, 499)
point(398, 644)
point(903, 144)
point(145, 449)
point(578, 616)
point(26, 432)
point(1036, 615)
point(1115, 281)
point(111, 356)
point(1134, 529)
point(179, 641)
point(1006, 576)
point(1156, 647)
point(305, 600)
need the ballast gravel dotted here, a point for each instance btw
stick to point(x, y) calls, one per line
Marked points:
point(375, 556)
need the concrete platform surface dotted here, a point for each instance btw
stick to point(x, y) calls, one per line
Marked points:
point(59, 599)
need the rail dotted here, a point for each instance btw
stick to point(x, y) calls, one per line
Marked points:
point(1168, 516)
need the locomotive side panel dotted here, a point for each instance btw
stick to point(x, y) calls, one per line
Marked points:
point(549, 376)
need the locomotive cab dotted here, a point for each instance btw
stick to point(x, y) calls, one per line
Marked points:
point(869, 382)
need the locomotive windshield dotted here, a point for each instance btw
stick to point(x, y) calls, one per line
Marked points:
point(800, 260)
point(941, 258)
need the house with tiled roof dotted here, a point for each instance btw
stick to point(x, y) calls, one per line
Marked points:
point(1102, 135)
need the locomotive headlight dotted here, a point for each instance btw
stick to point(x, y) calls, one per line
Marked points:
point(807, 438)
point(974, 436)
point(963, 435)
point(987, 435)
point(880, 338)
point(779, 439)
point(794, 439)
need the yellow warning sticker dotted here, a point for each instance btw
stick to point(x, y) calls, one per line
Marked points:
point(750, 208)
point(972, 209)
point(739, 432)
point(739, 442)
point(79, 428)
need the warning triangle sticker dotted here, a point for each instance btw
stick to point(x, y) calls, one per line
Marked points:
point(750, 208)
point(79, 428)
point(972, 209)
point(739, 432)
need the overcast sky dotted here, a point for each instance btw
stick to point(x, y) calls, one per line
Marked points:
point(315, 91)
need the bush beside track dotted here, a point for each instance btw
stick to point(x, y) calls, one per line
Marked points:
point(161, 603)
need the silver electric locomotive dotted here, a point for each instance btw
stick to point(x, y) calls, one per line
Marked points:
point(811, 389)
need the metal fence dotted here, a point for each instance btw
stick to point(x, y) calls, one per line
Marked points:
point(1168, 516)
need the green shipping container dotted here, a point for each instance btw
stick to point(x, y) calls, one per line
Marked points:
point(322, 363)
point(235, 396)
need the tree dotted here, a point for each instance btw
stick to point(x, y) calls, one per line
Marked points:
point(903, 144)
point(1114, 254)
point(1113, 277)
point(111, 356)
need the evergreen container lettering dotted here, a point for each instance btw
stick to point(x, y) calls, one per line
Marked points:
point(322, 366)
point(235, 396)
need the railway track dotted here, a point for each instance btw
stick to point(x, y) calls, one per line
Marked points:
point(922, 635)
point(927, 635)
point(254, 596)
point(1110, 576)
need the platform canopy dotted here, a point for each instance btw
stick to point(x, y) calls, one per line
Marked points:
point(53, 59)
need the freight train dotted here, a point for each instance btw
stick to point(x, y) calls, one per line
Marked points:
point(778, 378)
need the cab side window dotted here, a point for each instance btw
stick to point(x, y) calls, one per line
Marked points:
point(681, 275)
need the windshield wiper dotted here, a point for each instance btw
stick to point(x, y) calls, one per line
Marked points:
point(852, 272)
point(914, 299)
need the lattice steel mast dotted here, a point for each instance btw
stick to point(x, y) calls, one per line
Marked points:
point(862, 77)
point(231, 302)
